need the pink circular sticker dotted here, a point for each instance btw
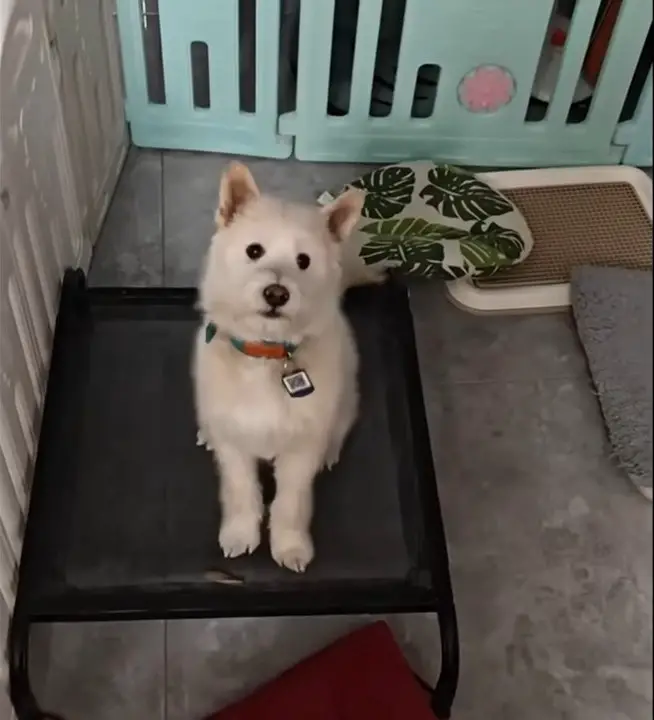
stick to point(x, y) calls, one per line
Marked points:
point(487, 88)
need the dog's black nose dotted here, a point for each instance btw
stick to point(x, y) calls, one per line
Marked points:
point(276, 295)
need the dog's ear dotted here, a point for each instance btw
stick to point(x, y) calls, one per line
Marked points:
point(344, 213)
point(237, 188)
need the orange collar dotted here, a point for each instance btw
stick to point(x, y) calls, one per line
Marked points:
point(266, 349)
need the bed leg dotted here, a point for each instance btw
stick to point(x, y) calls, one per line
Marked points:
point(442, 697)
point(22, 697)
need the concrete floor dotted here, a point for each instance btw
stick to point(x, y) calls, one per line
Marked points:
point(551, 547)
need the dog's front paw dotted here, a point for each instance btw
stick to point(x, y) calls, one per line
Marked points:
point(292, 549)
point(239, 534)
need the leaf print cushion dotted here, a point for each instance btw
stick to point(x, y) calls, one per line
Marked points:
point(388, 190)
point(436, 220)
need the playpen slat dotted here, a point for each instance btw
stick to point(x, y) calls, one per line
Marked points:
point(176, 56)
point(573, 59)
point(637, 134)
point(223, 55)
point(528, 22)
point(409, 60)
point(314, 52)
point(129, 24)
point(179, 29)
point(364, 56)
point(619, 65)
point(267, 59)
point(405, 83)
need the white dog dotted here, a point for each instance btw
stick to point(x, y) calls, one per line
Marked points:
point(275, 365)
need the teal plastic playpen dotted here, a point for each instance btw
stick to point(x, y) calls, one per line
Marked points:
point(382, 80)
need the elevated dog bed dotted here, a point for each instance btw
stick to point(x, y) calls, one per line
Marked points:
point(433, 220)
point(124, 518)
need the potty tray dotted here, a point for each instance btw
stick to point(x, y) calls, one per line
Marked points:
point(577, 216)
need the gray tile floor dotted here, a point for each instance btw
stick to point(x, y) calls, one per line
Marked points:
point(551, 548)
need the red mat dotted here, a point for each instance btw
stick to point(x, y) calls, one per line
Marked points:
point(362, 676)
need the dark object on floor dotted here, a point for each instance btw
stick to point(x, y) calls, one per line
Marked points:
point(362, 676)
point(613, 311)
point(124, 517)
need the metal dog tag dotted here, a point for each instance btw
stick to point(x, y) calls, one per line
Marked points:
point(297, 383)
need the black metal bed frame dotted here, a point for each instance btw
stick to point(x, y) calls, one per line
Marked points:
point(426, 589)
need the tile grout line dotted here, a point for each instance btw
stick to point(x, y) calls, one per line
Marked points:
point(510, 381)
point(162, 226)
point(165, 670)
point(162, 222)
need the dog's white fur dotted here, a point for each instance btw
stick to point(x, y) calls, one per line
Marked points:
point(243, 410)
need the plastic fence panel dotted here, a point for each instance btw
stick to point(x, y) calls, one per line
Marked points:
point(203, 44)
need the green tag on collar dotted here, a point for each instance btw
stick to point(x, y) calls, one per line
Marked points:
point(210, 332)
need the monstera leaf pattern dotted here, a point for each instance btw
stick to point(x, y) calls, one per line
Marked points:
point(388, 190)
point(478, 257)
point(458, 194)
point(507, 241)
point(421, 256)
point(437, 220)
point(411, 244)
point(405, 228)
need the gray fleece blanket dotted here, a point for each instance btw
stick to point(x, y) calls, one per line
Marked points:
point(613, 312)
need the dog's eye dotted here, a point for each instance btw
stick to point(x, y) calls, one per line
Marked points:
point(254, 251)
point(303, 261)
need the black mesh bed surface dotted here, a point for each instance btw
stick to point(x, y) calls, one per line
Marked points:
point(124, 515)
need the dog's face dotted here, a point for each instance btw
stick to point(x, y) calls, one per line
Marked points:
point(273, 270)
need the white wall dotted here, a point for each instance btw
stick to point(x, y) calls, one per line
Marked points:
point(58, 167)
